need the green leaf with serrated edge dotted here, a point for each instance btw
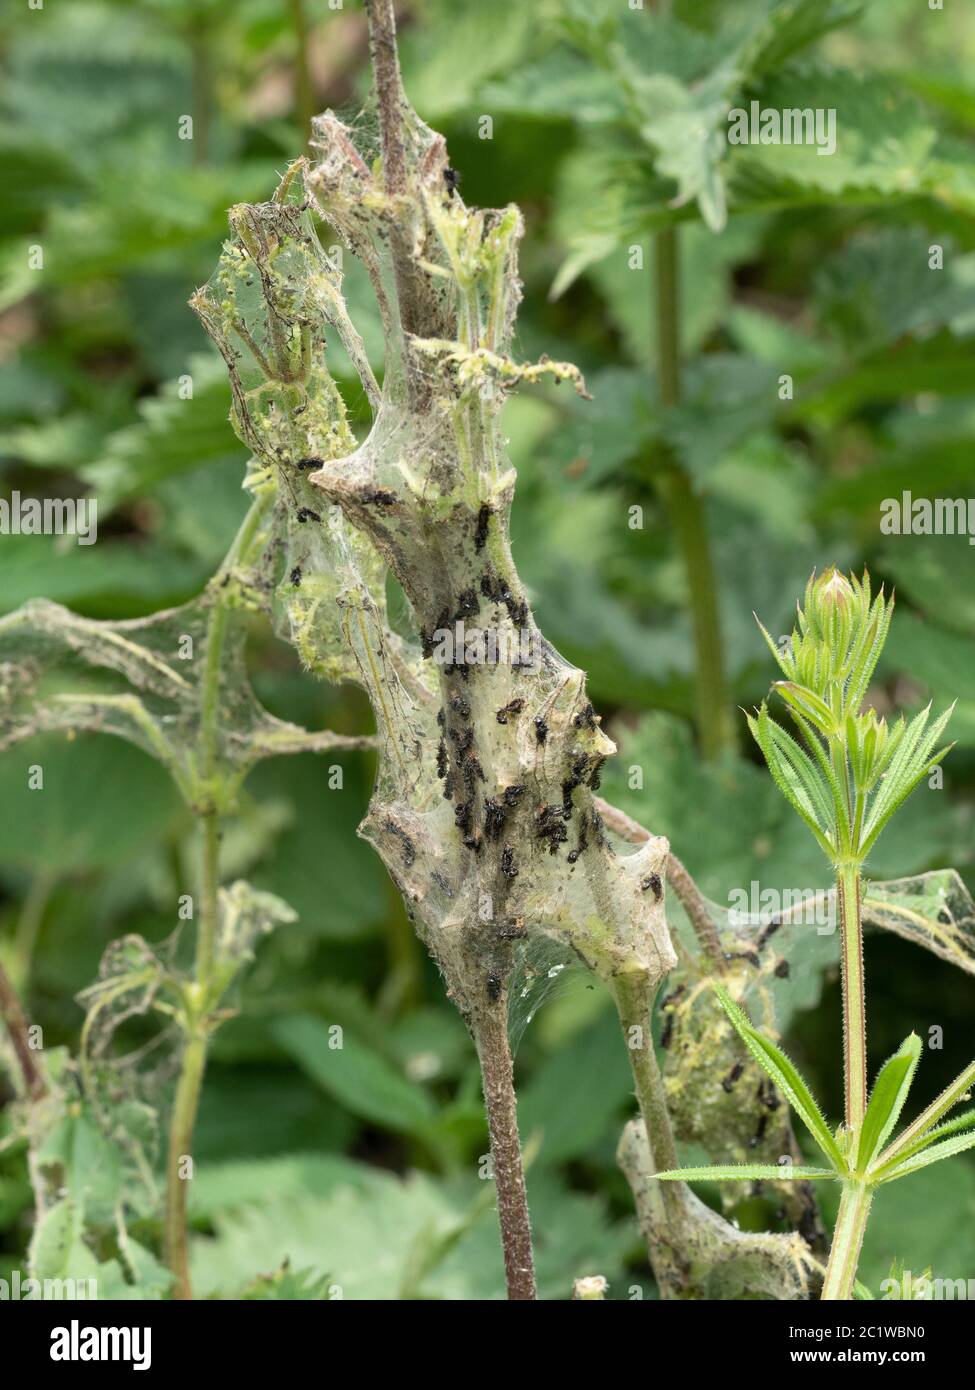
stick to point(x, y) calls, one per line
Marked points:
point(925, 1157)
point(887, 1100)
point(948, 1098)
point(745, 1172)
point(777, 1066)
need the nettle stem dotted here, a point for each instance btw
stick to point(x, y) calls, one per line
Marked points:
point(712, 712)
point(192, 1063)
point(844, 1255)
point(854, 995)
point(497, 1073)
point(185, 1106)
point(198, 997)
point(16, 1024)
point(634, 997)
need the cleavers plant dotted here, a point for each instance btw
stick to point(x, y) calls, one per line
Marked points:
point(846, 782)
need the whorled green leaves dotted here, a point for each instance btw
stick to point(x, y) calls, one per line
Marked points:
point(855, 770)
point(865, 1159)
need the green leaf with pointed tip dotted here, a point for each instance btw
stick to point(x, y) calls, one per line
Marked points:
point(794, 775)
point(907, 1141)
point(914, 758)
point(962, 1122)
point(745, 1172)
point(807, 703)
point(777, 1066)
point(887, 1100)
point(923, 1157)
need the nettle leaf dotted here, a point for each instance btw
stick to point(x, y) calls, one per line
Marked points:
point(727, 398)
point(789, 26)
point(887, 1100)
point(785, 1076)
point(886, 147)
point(880, 287)
point(685, 127)
point(473, 44)
point(174, 434)
point(935, 572)
point(562, 85)
point(357, 1076)
point(941, 660)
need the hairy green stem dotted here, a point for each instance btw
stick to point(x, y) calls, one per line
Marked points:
point(712, 712)
point(497, 1072)
point(13, 1016)
point(185, 1106)
point(844, 1254)
point(634, 1002)
point(854, 996)
point(193, 1060)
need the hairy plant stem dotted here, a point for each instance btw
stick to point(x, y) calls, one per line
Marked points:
point(185, 1106)
point(198, 996)
point(634, 998)
point(16, 1025)
point(851, 1223)
point(497, 1073)
point(854, 997)
point(385, 66)
point(712, 713)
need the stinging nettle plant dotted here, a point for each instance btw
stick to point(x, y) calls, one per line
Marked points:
point(846, 783)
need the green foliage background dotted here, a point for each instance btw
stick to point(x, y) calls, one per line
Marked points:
point(367, 1174)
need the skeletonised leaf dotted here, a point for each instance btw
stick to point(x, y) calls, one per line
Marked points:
point(934, 910)
point(887, 1099)
point(777, 1065)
